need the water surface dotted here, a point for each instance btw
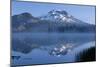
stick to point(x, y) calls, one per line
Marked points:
point(44, 48)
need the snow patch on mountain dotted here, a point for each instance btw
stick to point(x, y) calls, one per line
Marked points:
point(58, 15)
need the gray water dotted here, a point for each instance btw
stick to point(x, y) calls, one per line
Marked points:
point(45, 48)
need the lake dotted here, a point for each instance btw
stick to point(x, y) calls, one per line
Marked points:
point(47, 48)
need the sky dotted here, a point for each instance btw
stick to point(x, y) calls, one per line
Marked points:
point(84, 13)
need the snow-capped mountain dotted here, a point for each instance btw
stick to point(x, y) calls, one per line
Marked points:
point(62, 16)
point(58, 15)
point(53, 21)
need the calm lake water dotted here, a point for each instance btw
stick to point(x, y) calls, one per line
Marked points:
point(44, 48)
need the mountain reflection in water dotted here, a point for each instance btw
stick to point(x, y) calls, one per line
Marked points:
point(57, 45)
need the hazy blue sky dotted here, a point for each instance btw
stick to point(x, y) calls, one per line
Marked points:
point(84, 13)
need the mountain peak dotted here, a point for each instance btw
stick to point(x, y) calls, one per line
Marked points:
point(58, 12)
point(26, 14)
point(58, 15)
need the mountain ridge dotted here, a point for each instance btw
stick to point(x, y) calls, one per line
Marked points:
point(54, 21)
